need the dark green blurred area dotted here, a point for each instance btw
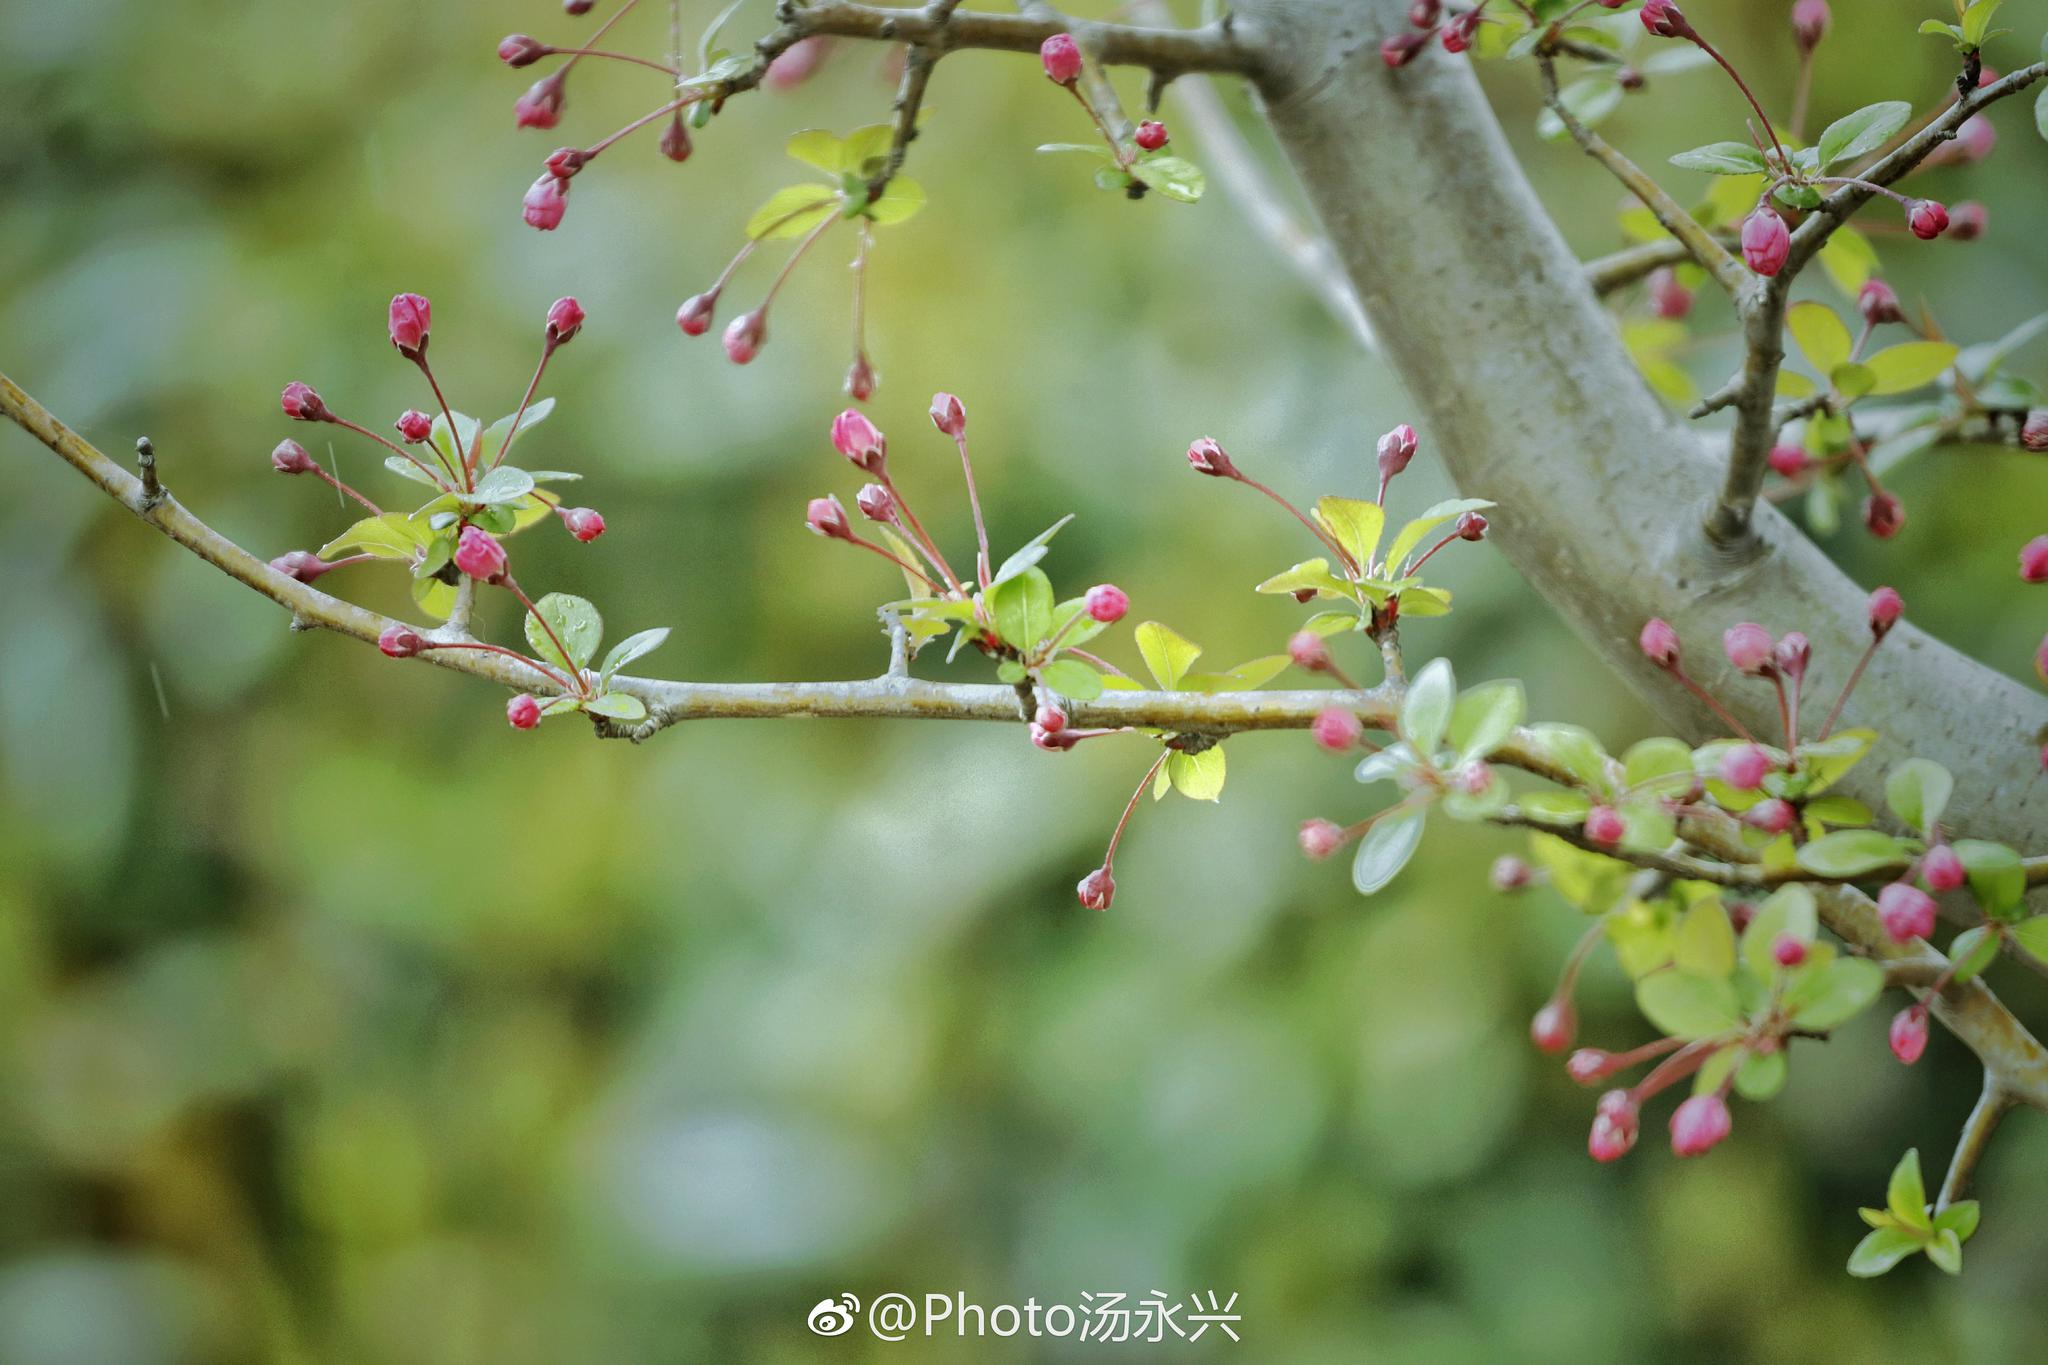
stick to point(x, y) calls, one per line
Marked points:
point(338, 1022)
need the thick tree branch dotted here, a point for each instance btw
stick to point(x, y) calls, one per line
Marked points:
point(1991, 1106)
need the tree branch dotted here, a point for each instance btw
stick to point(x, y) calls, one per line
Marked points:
point(1992, 1105)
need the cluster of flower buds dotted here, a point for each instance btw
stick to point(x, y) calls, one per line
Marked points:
point(1456, 28)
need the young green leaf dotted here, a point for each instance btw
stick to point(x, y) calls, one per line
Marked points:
point(1862, 132)
point(1918, 790)
point(1879, 1251)
point(1909, 365)
point(1355, 524)
point(1029, 553)
point(617, 705)
point(1821, 335)
point(1175, 177)
point(632, 647)
point(1426, 710)
point(1167, 654)
point(575, 623)
point(1998, 878)
point(1197, 776)
point(1906, 1196)
point(1722, 158)
point(1687, 1006)
point(1409, 537)
point(1484, 716)
point(1073, 679)
point(1385, 850)
point(792, 211)
point(1852, 852)
point(1826, 996)
point(1023, 609)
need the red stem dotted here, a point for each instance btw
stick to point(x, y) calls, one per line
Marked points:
point(1855, 676)
point(555, 639)
point(1117, 835)
point(547, 352)
point(534, 664)
point(1343, 555)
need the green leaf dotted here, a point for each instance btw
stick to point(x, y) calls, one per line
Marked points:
point(1959, 1218)
point(1976, 29)
point(1849, 259)
point(1852, 381)
point(1651, 759)
point(1197, 776)
point(900, 199)
point(1723, 158)
point(1788, 910)
point(1029, 553)
point(1823, 997)
point(632, 647)
point(1010, 672)
point(1906, 1195)
point(1575, 750)
point(1309, 574)
point(1918, 790)
point(575, 622)
point(1556, 807)
point(1409, 538)
point(1426, 710)
point(617, 705)
point(1862, 132)
point(1175, 177)
point(792, 212)
point(1822, 337)
point(1704, 944)
point(1909, 365)
point(819, 147)
point(495, 434)
point(1167, 654)
point(1385, 850)
point(1998, 879)
point(1881, 1250)
point(1072, 679)
point(1761, 1076)
point(1484, 716)
point(1946, 1251)
point(1687, 1006)
point(867, 147)
point(2032, 934)
point(503, 484)
point(405, 468)
point(1975, 948)
point(1094, 149)
point(1852, 852)
point(466, 428)
point(1356, 525)
point(1023, 609)
point(393, 535)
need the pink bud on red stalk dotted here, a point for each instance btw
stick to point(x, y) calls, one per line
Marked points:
point(2034, 560)
point(303, 565)
point(1745, 767)
point(1668, 298)
point(1748, 646)
point(1699, 1125)
point(1788, 950)
point(1604, 825)
point(949, 415)
point(547, 200)
point(1459, 33)
point(1967, 221)
point(2034, 431)
point(1335, 729)
point(1096, 890)
point(1886, 606)
point(1909, 1033)
point(1106, 603)
point(1471, 526)
point(564, 162)
point(1772, 817)
point(1879, 303)
point(1395, 450)
point(519, 50)
point(400, 642)
point(1883, 515)
point(1942, 870)
point(875, 503)
point(859, 440)
point(1664, 19)
point(694, 317)
point(478, 554)
point(1789, 461)
point(1061, 59)
point(302, 404)
point(1614, 1127)
point(1590, 1065)
point(1425, 13)
point(415, 426)
point(1510, 873)
point(541, 105)
point(1308, 650)
point(1206, 457)
point(1051, 740)
point(1050, 719)
point(1766, 241)
point(1151, 135)
point(1320, 838)
point(584, 523)
point(1927, 218)
point(565, 320)
point(1907, 912)
point(291, 458)
point(1809, 23)
point(827, 518)
point(411, 317)
point(675, 139)
point(522, 712)
point(860, 380)
point(1792, 655)
point(1554, 1026)
point(1402, 49)
point(1659, 642)
point(744, 335)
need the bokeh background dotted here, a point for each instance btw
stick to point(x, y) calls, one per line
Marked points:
point(340, 1023)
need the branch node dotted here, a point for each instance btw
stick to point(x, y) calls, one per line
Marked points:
point(145, 463)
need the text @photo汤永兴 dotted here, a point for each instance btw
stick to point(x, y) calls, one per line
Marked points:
point(1105, 1316)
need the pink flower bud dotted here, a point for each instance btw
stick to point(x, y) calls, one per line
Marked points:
point(1967, 221)
point(1792, 655)
point(1402, 48)
point(1942, 870)
point(522, 712)
point(1699, 1125)
point(1050, 719)
point(1308, 650)
point(291, 458)
point(1663, 19)
point(1604, 825)
point(1510, 873)
point(303, 565)
point(1396, 449)
point(574, 7)
point(547, 199)
point(1096, 890)
point(411, 317)
point(1772, 817)
point(860, 380)
point(1909, 1033)
point(1151, 135)
point(1458, 34)
point(827, 518)
point(1062, 61)
point(1907, 912)
point(1748, 646)
point(584, 523)
point(1974, 141)
point(1320, 838)
point(1053, 741)
point(1883, 515)
point(2034, 431)
point(565, 320)
point(1809, 23)
point(1659, 642)
point(1766, 241)
point(1740, 913)
point(797, 64)
point(1927, 218)
point(1745, 767)
point(1425, 13)
point(400, 642)
point(859, 440)
point(415, 426)
point(1591, 1065)
point(1106, 603)
point(1206, 457)
point(744, 335)
point(2034, 560)
point(949, 415)
point(1879, 303)
point(541, 105)
point(1669, 299)
point(564, 162)
point(1554, 1026)
point(302, 404)
point(875, 503)
point(519, 50)
point(1335, 729)
point(1471, 526)
point(1789, 461)
point(1788, 950)
point(675, 139)
point(478, 554)
point(1614, 1127)
point(1885, 608)
point(694, 317)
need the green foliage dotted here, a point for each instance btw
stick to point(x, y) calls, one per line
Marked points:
point(1905, 1226)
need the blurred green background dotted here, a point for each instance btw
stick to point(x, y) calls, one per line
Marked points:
point(339, 1022)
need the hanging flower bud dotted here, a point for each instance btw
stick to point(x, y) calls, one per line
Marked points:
point(949, 415)
point(1664, 19)
point(1700, 1124)
point(1748, 647)
point(291, 458)
point(302, 404)
point(675, 139)
point(1510, 873)
point(411, 317)
point(1967, 221)
point(860, 380)
point(478, 554)
point(400, 642)
point(1106, 603)
point(1096, 890)
point(1773, 817)
point(1554, 1026)
point(565, 320)
point(541, 105)
point(1789, 461)
point(519, 50)
point(415, 426)
point(1879, 303)
point(859, 440)
point(584, 523)
point(303, 565)
point(1909, 1033)
point(547, 199)
point(1885, 608)
point(1927, 218)
point(1308, 650)
point(564, 162)
point(1336, 729)
point(1604, 825)
point(1614, 1127)
point(1458, 34)
point(1745, 767)
point(1942, 870)
point(1590, 1065)
point(827, 518)
point(1206, 457)
point(1766, 241)
point(1809, 23)
point(1151, 135)
point(1883, 515)
point(694, 317)
point(1053, 741)
point(522, 712)
point(1669, 299)
point(1471, 526)
point(743, 337)
point(1062, 61)
point(1792, 655)
point(1907, 911)
point(1659, 642)
point(1402, 49)
point(576, 7)
point(876, 503)
point(1320, 838)
point(1050, 719)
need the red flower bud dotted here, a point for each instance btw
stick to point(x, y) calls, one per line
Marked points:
point(1510, 873)
point(1885, 608)
point(875, 503)
point(2034, 560)
point(584, 523)
point(303, 565)
point(1907, 911)
point(1668, 298)
point(1883, 515)
point(478, 554)
point(1151, 135)
point(1604, 825)
point(1788, 949)
point(1470, 526)
point(859, 440)
point(694, 317)
point(1050, 719)
point(1097, 889)
point(522, 712)
point(1879, 303)
point(564, 162)
point(1745, 768)
point(565, 320)
point(1772, 817)
point(1106, 603)
point(541, 105)
point(860, 380)
point(578, 6)
point(1554, 1026)
point(1942, 870)
point(1614, 1127)
point(1308, 650)
point(1591, 1065)
point(1336, 729)
point(1909, 1033)
point(1699, 1125)
point(411, 317)
point(547, 199)
point(1051, 740)
point(1425, 13)
point(1927, 218)
point(1967, 221)
point(827, 518)
point(1320, 838)
point(1663, 19)
point(1749, 647)
point(1809, 23)
point(1789, 461)
point(1792, 655)
point(400, 642)
point(1402, 48)
point(1659, 642)
point(2034, 431)
point(743, 337)
point(1458, 34)
point(1206, 457)
point(1766, 241)
point(675, 139)
point(949, 415)
point(415, 426)
point(302, 404)
point(291, 458)
point(1396, 449)
point(1062, 62)
point(519, 50)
